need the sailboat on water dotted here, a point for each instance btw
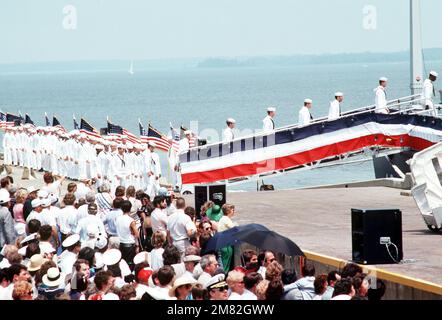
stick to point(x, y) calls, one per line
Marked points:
point(131, 68)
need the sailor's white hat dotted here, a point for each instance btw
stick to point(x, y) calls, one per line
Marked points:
point(271, 109)
point(152, 144)
point(46, 202)
point(192, 258)
point(121, 146)
point(308, 101)
point(111, 257)
point(99, 147)
point(231, 120)
point(383, 79)
point(42, 194)
point(141, 257)
point(339, 94)
point(36, 203)
point(71, 240)
point(434, 73)
point(187, 132)
point(216, 281)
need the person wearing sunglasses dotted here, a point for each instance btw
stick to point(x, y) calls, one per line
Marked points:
point(218, 288)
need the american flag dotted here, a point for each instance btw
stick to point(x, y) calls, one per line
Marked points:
point(57, 124)
point(87, 128)
point(175, 136)
point(154, 135)
point(131, 137)
point(118, 131)
point(17, 120)
point(28, 119)
point(22, 120)
point(3, 122)
point(76, 126)
point(193, 139)
point(114, 129)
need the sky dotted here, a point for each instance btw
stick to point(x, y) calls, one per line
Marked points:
point(37, 31)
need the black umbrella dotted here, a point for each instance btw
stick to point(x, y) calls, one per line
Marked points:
point(270, 240)
point(230, 237)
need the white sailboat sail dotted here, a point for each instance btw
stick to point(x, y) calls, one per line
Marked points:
point(131, 68)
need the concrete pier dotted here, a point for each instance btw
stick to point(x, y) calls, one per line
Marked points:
point(319, 221)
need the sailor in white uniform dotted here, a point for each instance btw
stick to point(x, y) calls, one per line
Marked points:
point(13, 144)
point(7, 140)
point(103, 162)
point(305, 117)
point(381, 96)
point(155, 166)
point(335, 106)
point(228, 133)
point(185, 142)
point(268, 122)
point(146, 170)
point(121, 172)
point(68, 257)
point(428, 92)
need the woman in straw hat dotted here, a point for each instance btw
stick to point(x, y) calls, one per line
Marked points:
point(52, 282)
point(182, 288)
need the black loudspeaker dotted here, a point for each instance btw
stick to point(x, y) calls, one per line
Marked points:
point(376, 236)
point(204, 193)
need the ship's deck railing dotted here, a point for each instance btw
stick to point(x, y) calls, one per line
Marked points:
point(397, 105)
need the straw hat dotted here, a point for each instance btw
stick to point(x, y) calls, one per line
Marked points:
point(36, 262)
point(181, 281)
point(53, 278)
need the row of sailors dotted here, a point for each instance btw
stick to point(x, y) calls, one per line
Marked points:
point(305, 116)
point(82, 157)
point(428, 92)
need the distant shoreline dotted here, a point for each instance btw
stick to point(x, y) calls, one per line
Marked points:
point(433, 54)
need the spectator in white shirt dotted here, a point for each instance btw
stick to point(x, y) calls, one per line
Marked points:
point(16, 273)
point(83, 209)
point(251, 280)
point(159, 216)
point(156, 255)
point(91, 223)
point(127, 233)
point(180, 227)
point(111, 218)
point(235, 280)
point(67, 219)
